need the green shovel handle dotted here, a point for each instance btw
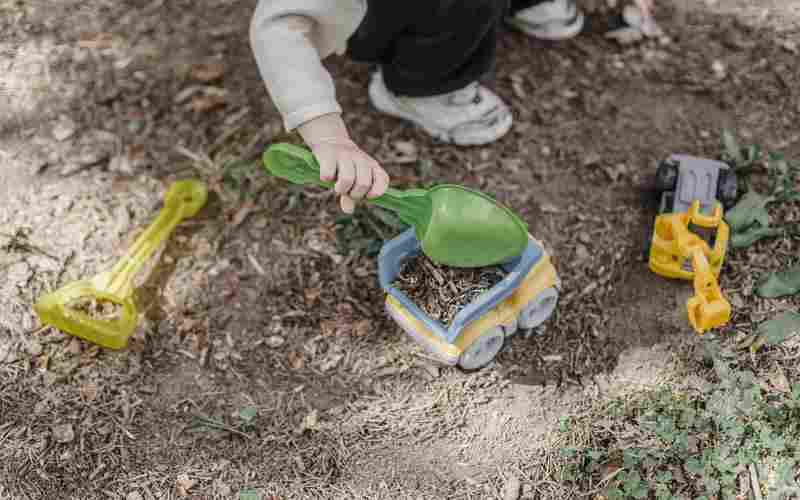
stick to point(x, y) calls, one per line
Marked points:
point(299, 166)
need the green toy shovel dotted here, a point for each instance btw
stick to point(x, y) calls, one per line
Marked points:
point(456, 226)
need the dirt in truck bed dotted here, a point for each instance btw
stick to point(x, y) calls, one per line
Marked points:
point(442, 291)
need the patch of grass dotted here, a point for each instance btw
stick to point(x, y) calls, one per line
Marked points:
point(365, 231)
point(667, 443)
point(737, 436)
point(750, 220)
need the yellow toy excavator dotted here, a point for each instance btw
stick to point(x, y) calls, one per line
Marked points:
point(690, 237)
point(676, 252)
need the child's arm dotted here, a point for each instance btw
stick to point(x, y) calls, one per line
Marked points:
point(289, 39)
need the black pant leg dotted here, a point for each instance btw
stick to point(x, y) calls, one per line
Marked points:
point(518, 5)
point(429, 47)
point(374, 40)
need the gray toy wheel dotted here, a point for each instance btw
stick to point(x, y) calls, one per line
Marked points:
point(727, 188)
point(539, 309)
point(483, 349)
point(666, 176)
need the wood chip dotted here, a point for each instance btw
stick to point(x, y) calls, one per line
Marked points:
point(207, 73)
point(296, 360)
point(203, 104)
point(362, 328)
point(96, 41)
point(183, 484)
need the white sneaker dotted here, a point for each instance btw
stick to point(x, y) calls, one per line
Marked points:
point(549, 20)
point(472, 116)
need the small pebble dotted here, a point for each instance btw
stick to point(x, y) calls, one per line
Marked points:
point(64, 129)
point(719, 68)
point(41, 407)
point(35, 348)
point(275, 341)
point(63, 433)
point(582, 253)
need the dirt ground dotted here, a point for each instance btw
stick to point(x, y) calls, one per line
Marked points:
point(264, 361)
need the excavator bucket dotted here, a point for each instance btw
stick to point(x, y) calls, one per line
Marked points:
point(708, 315)
point(708, 308)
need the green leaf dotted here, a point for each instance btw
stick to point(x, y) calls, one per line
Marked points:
point(753, 153)
point(786, 472)
point(568, 452)
point(775, 443)
point(780, 284)
point(248, 413)
point(780, 328)
point(751, 209)
point(664, 477)
point(249, 494)
point(752, 234)
point(712, 485)
point(694, 466)
point(732, 148)
point(344, 220)
point(662, 492)
point(777, 162)
point(633, 485)
point(631, 458)
point(389, 219)
point(596, 454)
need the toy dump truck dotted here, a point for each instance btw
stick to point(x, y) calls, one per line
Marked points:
point(690, 238)
point(524, 299)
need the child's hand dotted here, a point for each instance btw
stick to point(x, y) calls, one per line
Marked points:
point(356, 173)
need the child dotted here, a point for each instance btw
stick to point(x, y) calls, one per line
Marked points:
point(431, 54)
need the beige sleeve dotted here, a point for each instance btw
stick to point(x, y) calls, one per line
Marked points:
point(289, 40)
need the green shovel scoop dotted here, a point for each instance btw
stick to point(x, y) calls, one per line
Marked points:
point(456, 226)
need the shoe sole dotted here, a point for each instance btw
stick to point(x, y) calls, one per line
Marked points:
point(384, 104)
point(571, 29)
